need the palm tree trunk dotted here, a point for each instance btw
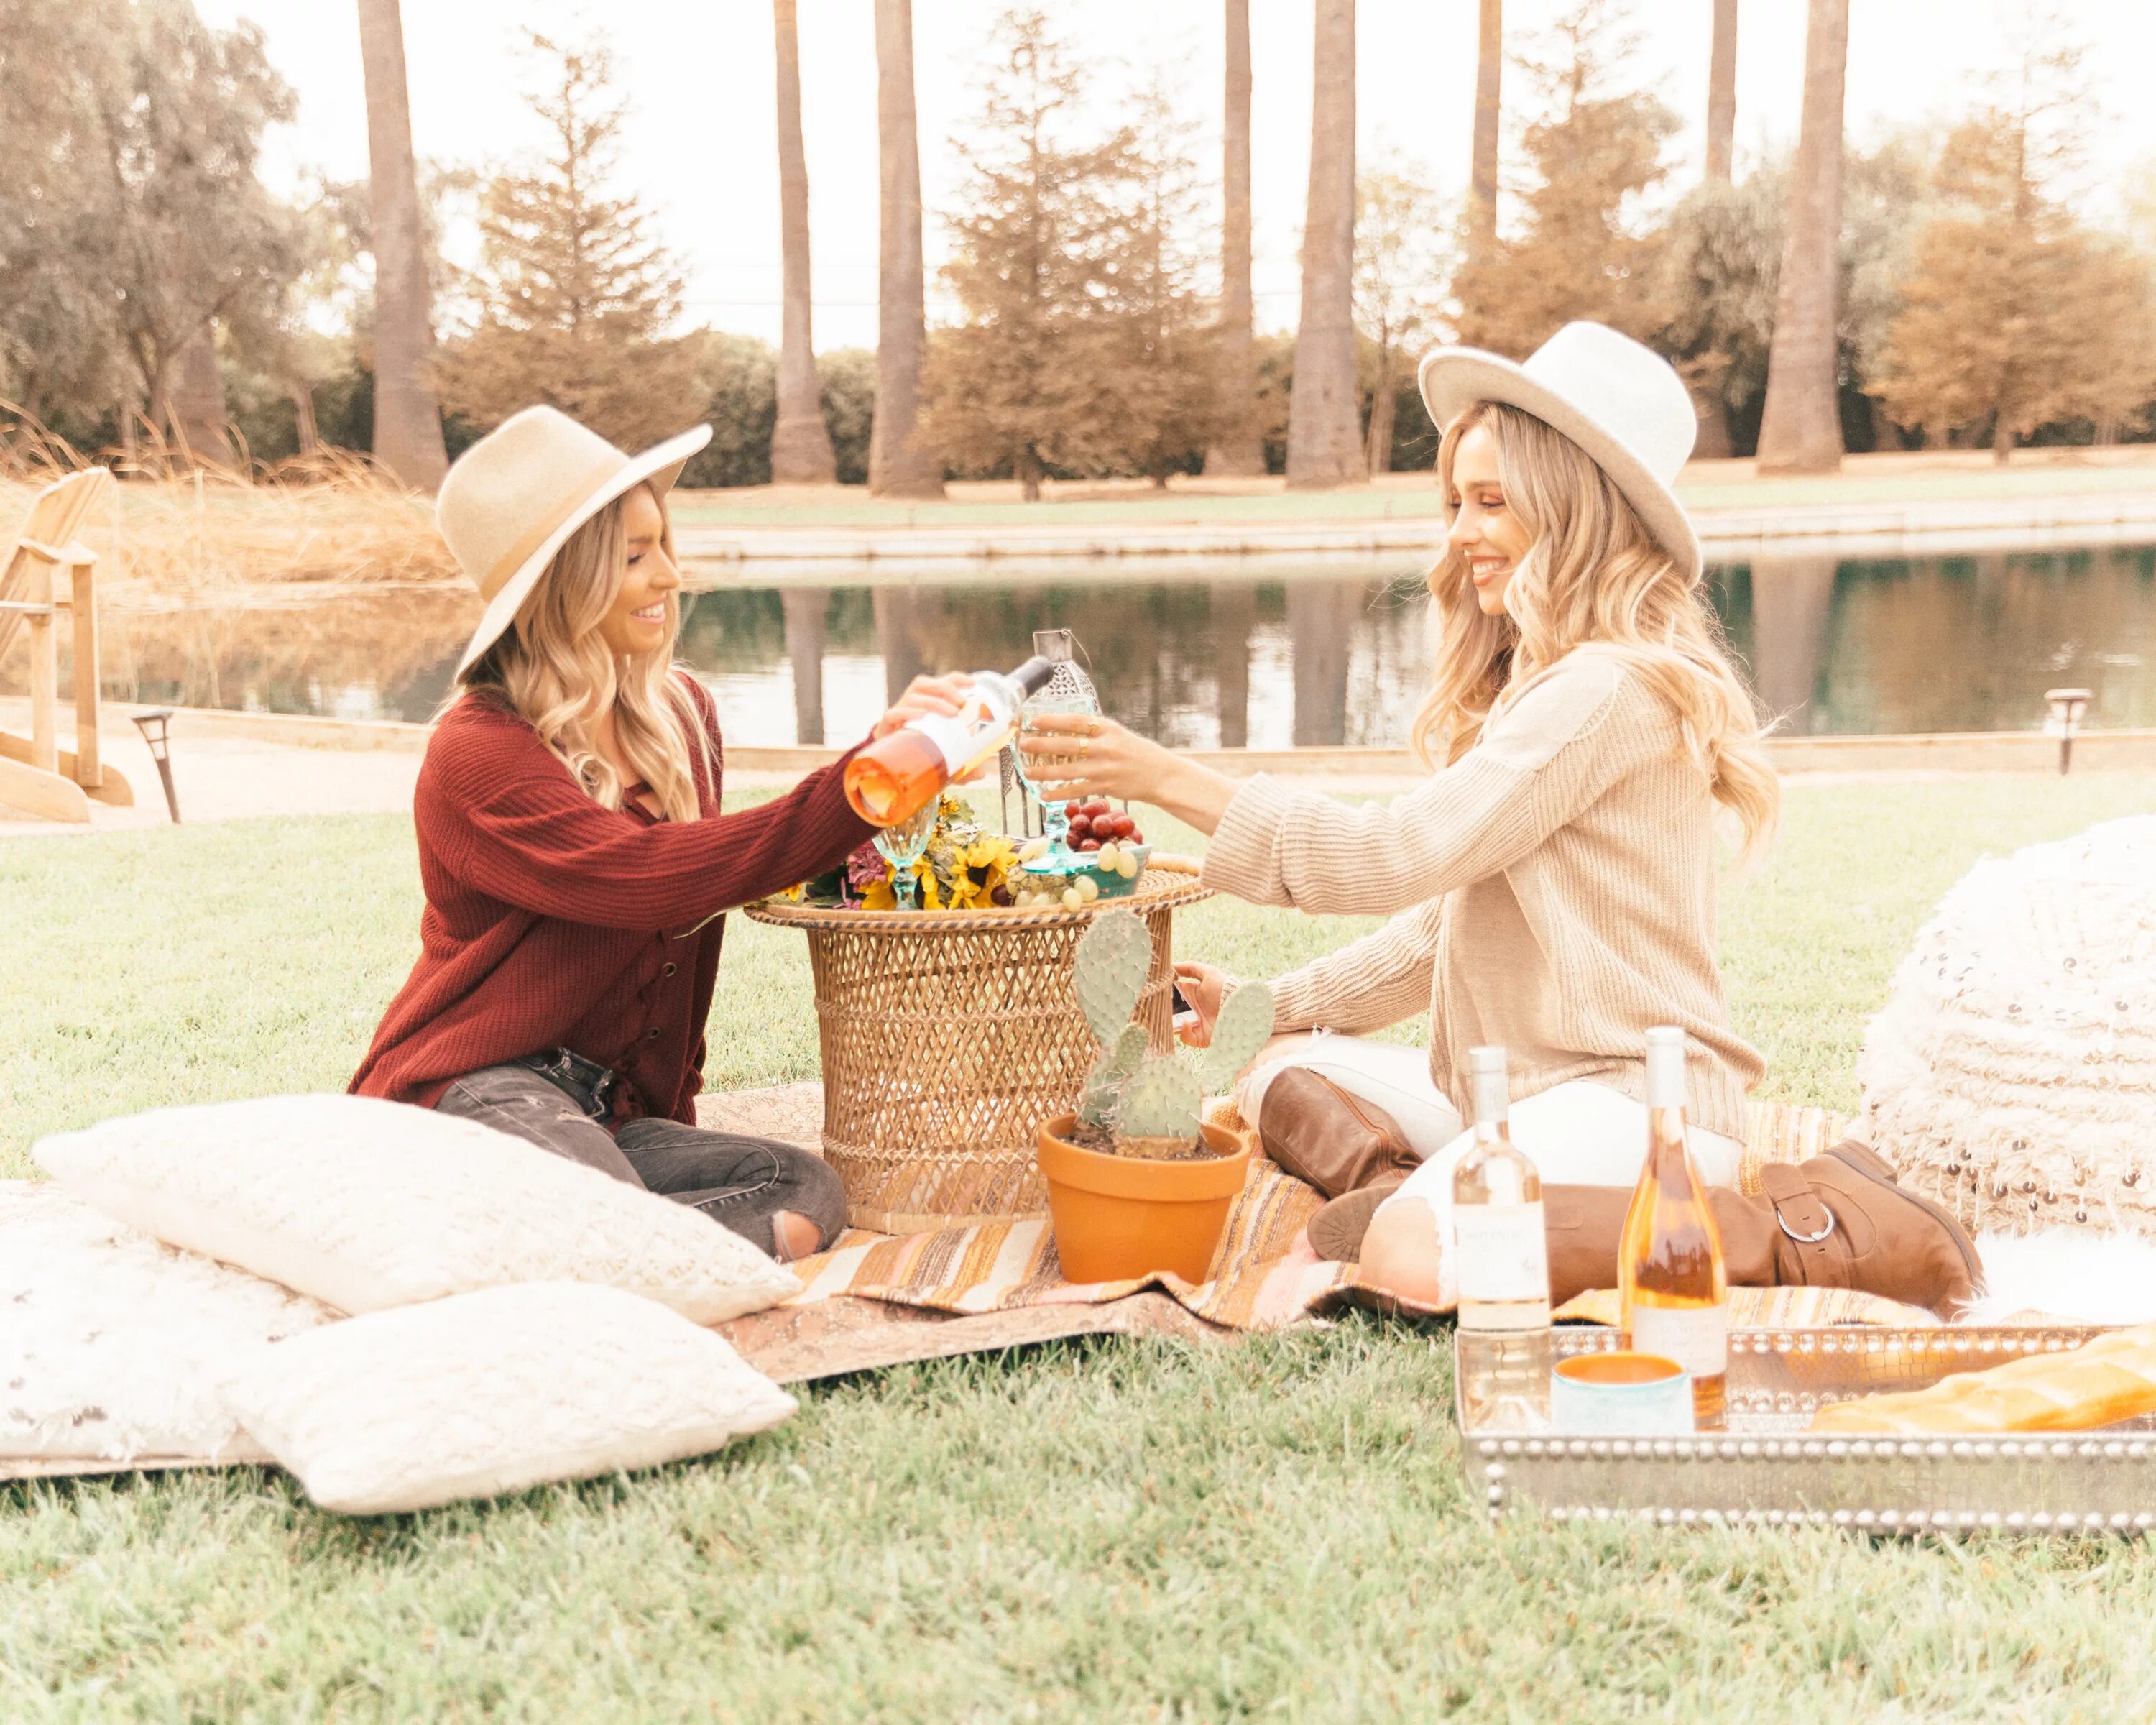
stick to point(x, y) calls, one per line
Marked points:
point(1324, 432)
point(1236, 449)
point(1801, 431)
point(803, 608)
point(1489, 73)
point(1792, 607)
point(1321, 622)
point(1721, 91)
point(1234, 607)
point(898, 467)
point(800, 442)
point(408, 414)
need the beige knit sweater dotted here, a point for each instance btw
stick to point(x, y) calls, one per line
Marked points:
point(1558, 889)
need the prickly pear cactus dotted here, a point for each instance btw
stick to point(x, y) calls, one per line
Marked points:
point(1104, 1084)
point(1244, 1025)
point(1161, 1101)
point(1112, 961)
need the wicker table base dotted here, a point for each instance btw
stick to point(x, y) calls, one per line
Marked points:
point(948, 1036)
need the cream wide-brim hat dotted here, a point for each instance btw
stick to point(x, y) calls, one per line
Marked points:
point(1621, 403)
point(513, 498)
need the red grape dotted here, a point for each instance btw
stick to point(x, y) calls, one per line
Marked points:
point(1125, 826)
point(1135, 836)
point(1081, 826)
point(1087, 845)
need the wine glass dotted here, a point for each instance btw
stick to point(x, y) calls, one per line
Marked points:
point(901, 846)
point(1069, 690)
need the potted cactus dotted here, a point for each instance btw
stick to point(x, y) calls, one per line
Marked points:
point(1137, 1182)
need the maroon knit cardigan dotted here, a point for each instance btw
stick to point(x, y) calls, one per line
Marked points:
point(552, 922)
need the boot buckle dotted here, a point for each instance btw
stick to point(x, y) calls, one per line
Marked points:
point(1782, 1222)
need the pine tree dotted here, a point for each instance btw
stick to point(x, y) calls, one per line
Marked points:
point(1596, 144)
point(1149, 339)
point(2014, 311)
point(575, 297)
point(1021, 382)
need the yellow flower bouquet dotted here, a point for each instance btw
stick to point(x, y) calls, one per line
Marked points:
point(965, 866)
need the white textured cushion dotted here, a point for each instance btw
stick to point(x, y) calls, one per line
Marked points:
point(494, 1392)
point(368, 1205)
point(111, 1345)
point(2011, 1076)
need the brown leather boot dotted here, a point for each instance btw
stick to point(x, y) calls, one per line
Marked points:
point(1837, 1221)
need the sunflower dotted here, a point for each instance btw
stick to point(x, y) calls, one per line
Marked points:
point(985, 866)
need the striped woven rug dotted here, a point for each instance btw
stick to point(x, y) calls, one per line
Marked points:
point(1264, 1275)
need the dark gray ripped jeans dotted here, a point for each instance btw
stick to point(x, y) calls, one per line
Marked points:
point(557, 1101)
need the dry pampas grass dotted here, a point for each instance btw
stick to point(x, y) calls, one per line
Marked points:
point(166, 536)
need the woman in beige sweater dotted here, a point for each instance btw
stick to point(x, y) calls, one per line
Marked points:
point(1551, 884)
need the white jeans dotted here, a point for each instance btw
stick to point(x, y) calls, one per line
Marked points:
point(1578, 1134)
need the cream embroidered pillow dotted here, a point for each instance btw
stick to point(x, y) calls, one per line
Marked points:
point(367, 1205)
point(494, 1392)
point(111, 1345)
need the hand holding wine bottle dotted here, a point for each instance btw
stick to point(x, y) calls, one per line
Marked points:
point(901, 768)
point(925, 694)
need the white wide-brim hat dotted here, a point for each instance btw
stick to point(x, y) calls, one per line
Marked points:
point(1623, 403)
point(513, 498)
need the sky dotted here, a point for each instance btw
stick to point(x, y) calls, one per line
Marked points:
point(700, 145)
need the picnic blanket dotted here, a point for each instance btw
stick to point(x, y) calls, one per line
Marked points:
point(1264, 1275)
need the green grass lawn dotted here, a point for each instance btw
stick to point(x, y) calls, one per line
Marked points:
point(1708, 488)
point(1134, 1530)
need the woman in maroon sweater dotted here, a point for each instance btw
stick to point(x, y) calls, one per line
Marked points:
point(575, 862)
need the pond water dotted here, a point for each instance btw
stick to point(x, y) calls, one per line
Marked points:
point(1847, 646)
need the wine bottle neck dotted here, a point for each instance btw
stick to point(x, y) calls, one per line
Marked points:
point(1665, 1069)
point(1492, 1105)
point(1032, 676)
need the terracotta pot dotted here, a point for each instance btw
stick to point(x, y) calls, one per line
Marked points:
point(1118, 1217)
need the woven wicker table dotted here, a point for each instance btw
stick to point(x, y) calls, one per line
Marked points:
point(948, 1036)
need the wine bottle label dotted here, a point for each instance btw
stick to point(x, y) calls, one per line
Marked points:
point(1503, 1254)
point(964, 737)
point(1696, 1337)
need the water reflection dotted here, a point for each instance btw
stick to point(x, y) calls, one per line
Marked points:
point(1949, 644)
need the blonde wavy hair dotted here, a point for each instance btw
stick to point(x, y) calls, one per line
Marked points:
point(553, 668)
point(1593, 573)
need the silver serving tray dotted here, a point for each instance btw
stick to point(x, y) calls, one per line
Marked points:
point(1768, 1469)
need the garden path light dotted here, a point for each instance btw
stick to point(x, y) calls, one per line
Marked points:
point(2067, 706)
point(153, 727)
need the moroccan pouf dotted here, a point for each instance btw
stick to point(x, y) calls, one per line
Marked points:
point(2012, 1074)
point(948, 1036)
